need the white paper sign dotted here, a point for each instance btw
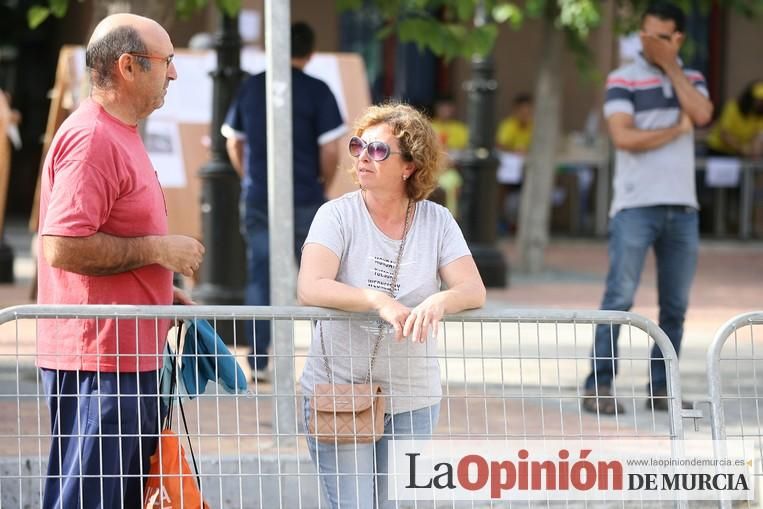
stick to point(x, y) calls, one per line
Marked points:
point(326, 69)
point(189, 99)
point(165, 151)
point(722, 171)
point(630, 47)
point(510, 167)
point(249, 25)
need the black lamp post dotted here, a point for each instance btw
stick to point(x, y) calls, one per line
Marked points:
point(8, 62)
point(479, 194)
point(223, 272)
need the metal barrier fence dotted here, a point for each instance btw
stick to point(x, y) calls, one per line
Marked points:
point(504, 374)
point(735, 381)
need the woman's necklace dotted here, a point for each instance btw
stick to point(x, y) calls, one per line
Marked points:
point(408, 210)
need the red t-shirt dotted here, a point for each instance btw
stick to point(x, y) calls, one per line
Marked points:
point(97, 177)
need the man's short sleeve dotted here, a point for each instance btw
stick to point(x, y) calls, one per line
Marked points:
point(698, 80)
point(233, 127)
point(329, 122)
point(80, 201)
point(619, 96)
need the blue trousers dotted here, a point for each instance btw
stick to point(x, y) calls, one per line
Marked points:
point(673, 232)
point(104, 429)
point(355, 475)
point(258, 274)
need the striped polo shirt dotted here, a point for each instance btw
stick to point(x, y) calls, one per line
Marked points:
point(664, 175)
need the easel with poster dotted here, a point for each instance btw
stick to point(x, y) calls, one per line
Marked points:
point(177, 135)
point(9, 134)
point(64, 98)
point(5, 159)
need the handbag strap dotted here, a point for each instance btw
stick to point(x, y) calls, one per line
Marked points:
point(391, 292)
point(173, 385)
point(167, 421)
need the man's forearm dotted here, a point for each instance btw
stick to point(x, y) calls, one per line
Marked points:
point(328, 172)
point(639, 140)
point(693, 103)
point(235, 150)
point(329, 160)
point(100, 254)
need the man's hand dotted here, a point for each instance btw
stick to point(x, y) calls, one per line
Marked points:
point(180, 297)
point(685, 124)
point(179, 253)
point(662, 51)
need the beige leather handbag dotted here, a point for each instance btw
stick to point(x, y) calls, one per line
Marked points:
point(347, 413)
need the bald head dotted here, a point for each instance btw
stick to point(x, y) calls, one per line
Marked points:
point(139, 23)
point(116, 35)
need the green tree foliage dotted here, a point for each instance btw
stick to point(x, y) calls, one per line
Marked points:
point(446, 27)
point(419, 21)
point(37, 14)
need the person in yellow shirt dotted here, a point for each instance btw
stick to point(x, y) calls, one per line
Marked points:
point(453, 134)
point(514, 135)
point(739, 130)
point(515, 131)
point(454, 137)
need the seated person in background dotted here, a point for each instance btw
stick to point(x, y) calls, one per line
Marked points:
point(515, 131)
point(514, 135)
point(452, 133)
point(453, 136)
point(739, 130)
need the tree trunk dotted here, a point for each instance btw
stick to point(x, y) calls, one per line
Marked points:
point(535, 201)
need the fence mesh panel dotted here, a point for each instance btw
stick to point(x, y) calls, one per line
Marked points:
point(735, 379)
point(503, 375)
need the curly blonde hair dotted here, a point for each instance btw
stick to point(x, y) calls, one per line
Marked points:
point(418, 143)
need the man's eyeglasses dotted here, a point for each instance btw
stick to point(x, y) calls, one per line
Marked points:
point(167, 60)
point(664, 37)
point(377, 150)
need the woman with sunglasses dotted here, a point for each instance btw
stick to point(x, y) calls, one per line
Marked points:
point(384, 249)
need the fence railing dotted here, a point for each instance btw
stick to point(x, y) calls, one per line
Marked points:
point(503, 374)
point(735, 382)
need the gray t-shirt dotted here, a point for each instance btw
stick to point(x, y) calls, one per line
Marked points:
point(408, 372)
point(663, 175)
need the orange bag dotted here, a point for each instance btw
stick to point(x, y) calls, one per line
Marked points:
point(171, 484)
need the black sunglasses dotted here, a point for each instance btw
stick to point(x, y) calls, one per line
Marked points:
point(377, 150)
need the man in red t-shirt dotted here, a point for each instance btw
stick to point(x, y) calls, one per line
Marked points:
point(104, 240)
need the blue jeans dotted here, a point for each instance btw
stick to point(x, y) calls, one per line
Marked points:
point(101, 441)
point(258, 274)
point(355, 475)
point(673, 231)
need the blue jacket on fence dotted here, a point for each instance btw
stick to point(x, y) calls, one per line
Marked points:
point(205, 357)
